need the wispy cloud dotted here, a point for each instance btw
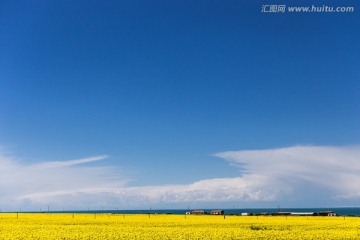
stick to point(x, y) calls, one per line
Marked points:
point(19, 180)
point(291, 174)
point(72, 162)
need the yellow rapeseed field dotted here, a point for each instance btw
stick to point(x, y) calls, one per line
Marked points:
point(117, 226)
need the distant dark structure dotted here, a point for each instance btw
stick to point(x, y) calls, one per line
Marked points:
point(217, 212)
point(202, 212)
point(198, 212)
point(326, 213)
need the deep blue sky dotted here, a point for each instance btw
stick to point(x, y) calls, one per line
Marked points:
point(160, 86)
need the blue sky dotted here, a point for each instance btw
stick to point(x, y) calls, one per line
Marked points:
point(152, 96)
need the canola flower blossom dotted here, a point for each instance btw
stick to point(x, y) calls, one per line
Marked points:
point(159, 226)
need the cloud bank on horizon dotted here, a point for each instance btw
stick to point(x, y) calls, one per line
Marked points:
point(290, 174)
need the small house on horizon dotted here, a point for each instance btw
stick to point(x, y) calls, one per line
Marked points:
point(326, 213)
point(217, 212)
point(198, 212)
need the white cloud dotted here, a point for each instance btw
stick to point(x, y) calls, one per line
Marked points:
point(323, 172)
point(297, 174)
point(19, 180)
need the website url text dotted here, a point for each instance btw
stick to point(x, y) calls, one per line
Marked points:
point(308, 9)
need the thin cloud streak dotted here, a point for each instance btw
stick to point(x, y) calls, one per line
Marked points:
point(72, 162)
